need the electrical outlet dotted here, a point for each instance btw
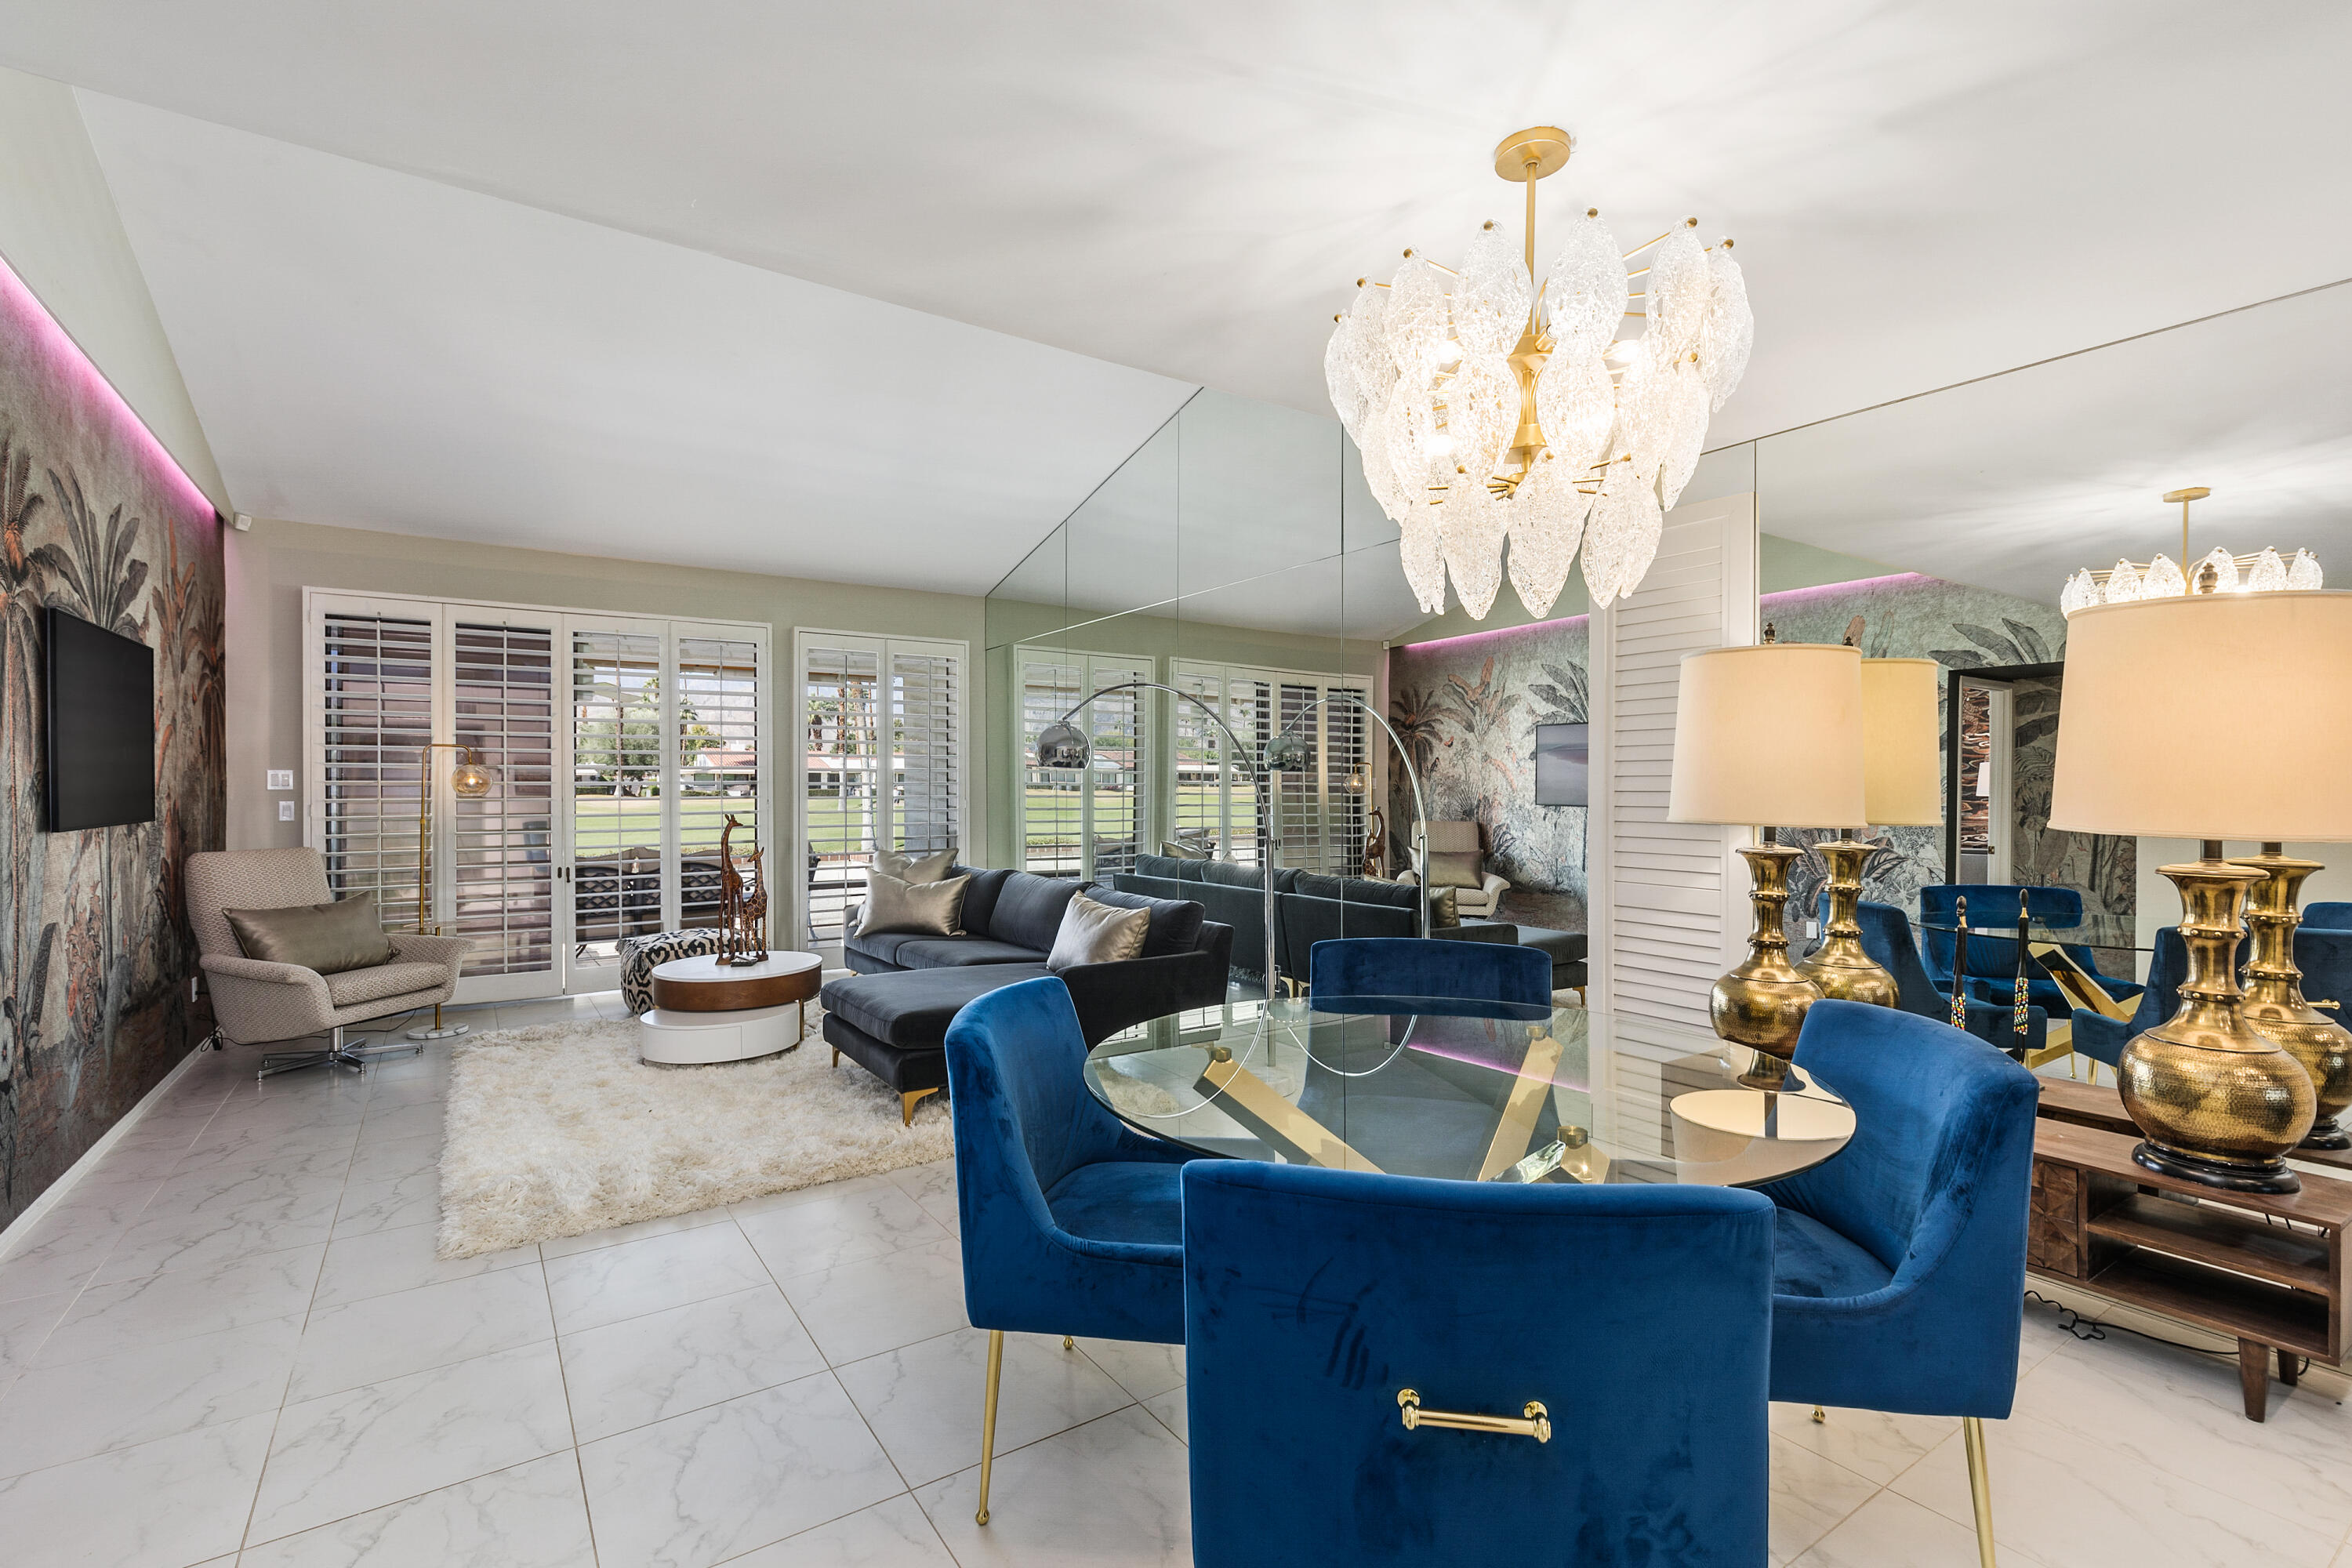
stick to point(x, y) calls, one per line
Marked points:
point(285, 811)
point(282, 778)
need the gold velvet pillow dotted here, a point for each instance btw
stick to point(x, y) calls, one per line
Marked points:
point(927, 909)
point(1098, 934)
point(325, 938)
point(1444, 913)
point(1453, 869)
point(917, 868)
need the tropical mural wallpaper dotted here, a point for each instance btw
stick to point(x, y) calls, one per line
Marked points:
point(95, 949)
point(1466, 708)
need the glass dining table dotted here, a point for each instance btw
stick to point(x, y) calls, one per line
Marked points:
point(1469, 1090)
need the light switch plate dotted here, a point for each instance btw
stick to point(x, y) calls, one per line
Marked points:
point(282, 778)
point(285, 811)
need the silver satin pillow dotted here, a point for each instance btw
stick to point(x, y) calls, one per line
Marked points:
point(915, 868)
point(1098, 934)
point(929, 909)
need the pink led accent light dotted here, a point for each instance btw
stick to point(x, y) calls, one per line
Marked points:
point(93, 391)
point(1498, 632)
point(1788, 595)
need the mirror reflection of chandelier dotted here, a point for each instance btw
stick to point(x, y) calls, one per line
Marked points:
point(2219, 572)
point(1488, 409)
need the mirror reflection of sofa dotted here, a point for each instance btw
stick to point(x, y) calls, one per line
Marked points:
point(1309, 908)
point(891, 1016)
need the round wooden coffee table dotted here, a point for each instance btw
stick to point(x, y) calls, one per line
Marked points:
point(707, 1010)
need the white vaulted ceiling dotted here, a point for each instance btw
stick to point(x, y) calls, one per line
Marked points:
point(594, 227)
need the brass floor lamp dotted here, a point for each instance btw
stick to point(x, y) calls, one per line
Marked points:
point(469, 779)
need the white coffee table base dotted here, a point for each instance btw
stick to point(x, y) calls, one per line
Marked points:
point(680, 1038)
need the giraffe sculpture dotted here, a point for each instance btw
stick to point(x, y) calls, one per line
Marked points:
point(743, 906)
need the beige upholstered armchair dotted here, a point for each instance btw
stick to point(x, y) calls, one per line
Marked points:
point(257, 1000)
point(1459, 838)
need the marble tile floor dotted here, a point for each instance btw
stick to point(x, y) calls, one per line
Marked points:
point(232, 1345)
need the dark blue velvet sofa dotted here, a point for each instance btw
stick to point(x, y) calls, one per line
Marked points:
point(891, 1018)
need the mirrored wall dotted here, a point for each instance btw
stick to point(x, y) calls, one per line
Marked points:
point(1237, 558)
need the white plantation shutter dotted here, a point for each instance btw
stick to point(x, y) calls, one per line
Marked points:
point(501, 846)
point(1090, 824)
point(372, 673)
point(1318, 818)
point(881, 739)
point(1668, 900)
point(591, 826)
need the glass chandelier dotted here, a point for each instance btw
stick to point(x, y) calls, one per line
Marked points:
point(1488, 410)
point(2219, 572)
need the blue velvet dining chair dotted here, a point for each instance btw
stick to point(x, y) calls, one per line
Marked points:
point(1417, 974)
point(1072, 1224)
point(1337, 1324)
point(1898, 1278)
point(1886, 937)
point(1992, 959)
point(2324, 956)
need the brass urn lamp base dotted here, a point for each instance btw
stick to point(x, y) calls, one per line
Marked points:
point(2219, 1102)
point(1840, 968)
point(2274, 1006)
point(1762, 1001)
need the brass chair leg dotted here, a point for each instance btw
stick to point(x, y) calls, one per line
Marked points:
point(1070, 1344)
point(837, 1056)
point(907, 1106)
point(988, 1420)
point(1979, 1487)
point(1820, 1417)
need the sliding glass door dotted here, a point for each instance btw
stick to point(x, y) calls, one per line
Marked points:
point(618, 748)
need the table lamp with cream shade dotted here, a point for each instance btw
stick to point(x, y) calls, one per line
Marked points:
point(2166, 732)
point(1766, 735)
point(1902, 778)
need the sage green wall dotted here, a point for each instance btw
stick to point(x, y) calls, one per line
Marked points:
point(269, 567)
point(62, 235)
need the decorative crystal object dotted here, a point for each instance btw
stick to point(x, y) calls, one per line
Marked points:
point(2216, 571)
point(2224, 567)
point(1448, 380)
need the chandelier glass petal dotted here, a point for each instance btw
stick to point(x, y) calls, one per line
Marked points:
point(1486, 412)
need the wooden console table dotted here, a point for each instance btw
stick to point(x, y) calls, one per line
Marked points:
point(2227, 1262)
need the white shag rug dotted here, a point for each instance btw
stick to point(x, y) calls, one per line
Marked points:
point(558, 1129)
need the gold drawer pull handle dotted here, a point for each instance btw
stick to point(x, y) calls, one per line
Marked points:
point(1537, 1425)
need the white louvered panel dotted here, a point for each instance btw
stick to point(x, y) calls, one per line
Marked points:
point(374, 683)
point(615, 682)
point(926, 707)
point(1667, 904)
point(841, 717)
point(717, 725)
point(1117, 725)
point(501, 846)
point(1199, 814)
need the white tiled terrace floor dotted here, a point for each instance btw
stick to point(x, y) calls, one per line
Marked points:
point(232, 1345)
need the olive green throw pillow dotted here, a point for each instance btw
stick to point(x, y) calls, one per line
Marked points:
point(1453, 869)
point(1098, 934)
point(325, 938)
point(925, 908)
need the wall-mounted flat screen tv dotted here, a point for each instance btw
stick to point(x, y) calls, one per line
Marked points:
point(101, 702)
point(1563, 764)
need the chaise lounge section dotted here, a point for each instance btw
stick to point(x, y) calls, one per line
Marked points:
point(891, 1018)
